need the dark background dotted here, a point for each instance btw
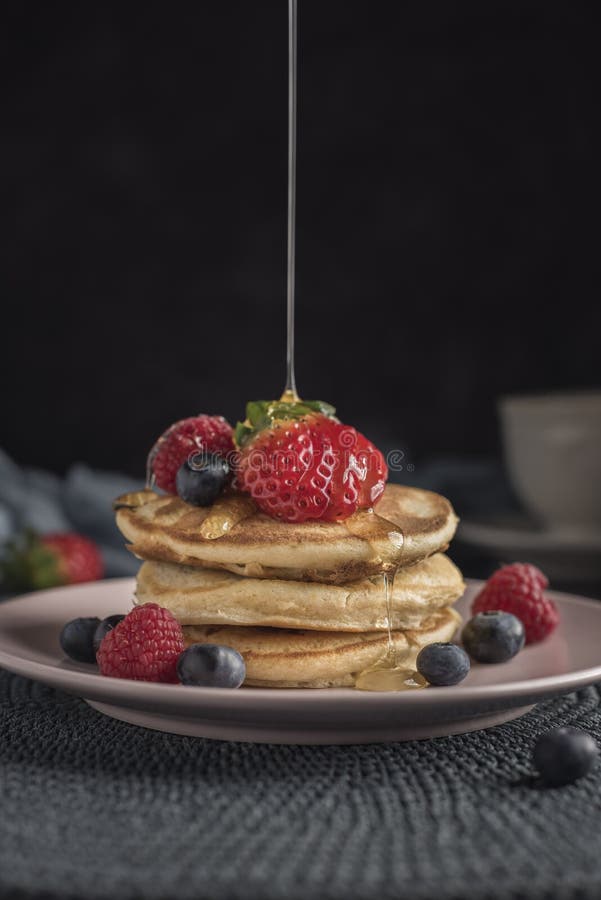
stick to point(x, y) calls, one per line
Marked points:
point(447, 241)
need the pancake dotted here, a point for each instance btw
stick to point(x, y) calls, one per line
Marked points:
point(319, 659)
point(408, 525)
point(211, 597)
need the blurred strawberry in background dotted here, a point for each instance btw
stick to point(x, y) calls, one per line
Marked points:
point(34, 562)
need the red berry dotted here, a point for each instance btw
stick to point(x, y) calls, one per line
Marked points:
point(78, 559)
point(311, 467)
point(211, 434)
point(523, 572)
point(519, 589)
point(34, 562)
point(364, 473)
point(144, 646)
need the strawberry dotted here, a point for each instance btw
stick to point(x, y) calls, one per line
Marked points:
point(35, 562)
point(298, 462)
point(183, 439)
point(365, 474)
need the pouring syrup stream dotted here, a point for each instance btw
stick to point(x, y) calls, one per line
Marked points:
point(388, 673)
point(290, 394)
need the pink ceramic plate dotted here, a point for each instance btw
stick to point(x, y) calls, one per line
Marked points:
point(571, 658)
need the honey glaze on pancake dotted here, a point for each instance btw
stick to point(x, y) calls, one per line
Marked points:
point(225, 513)
point(392, 672)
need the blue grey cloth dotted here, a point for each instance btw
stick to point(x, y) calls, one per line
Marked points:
point(94, 808)
point(81, 501)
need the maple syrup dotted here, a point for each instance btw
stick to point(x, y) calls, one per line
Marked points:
point(389, 673)
point(225, 513)
point(395, 670)
point(290, 394)
point(367, 524)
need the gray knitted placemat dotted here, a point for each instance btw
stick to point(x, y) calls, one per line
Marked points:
point(92, 808)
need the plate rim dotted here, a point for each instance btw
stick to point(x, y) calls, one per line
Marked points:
point(76, 681)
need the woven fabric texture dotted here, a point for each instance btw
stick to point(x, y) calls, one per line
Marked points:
point(92, 808)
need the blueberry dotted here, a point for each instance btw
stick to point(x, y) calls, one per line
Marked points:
point(564, 754)
point(493, 637)
point(443, 664)
point(103, 629)
point(201, 478)
point(77, 639)
point(211, 665)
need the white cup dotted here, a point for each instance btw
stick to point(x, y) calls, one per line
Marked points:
point(552, 446)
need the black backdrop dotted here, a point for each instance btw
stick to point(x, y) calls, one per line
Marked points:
point(447, 250)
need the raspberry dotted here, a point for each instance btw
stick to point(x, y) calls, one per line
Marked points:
point(311, 467)
point(519, 589)
point(211, 434)
point(522, 571)
point(145, 646)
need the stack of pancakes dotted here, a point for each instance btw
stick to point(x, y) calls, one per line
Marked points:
point(305, 604)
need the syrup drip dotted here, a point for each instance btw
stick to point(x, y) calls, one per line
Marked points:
point(150, 479)
point(395, 670)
